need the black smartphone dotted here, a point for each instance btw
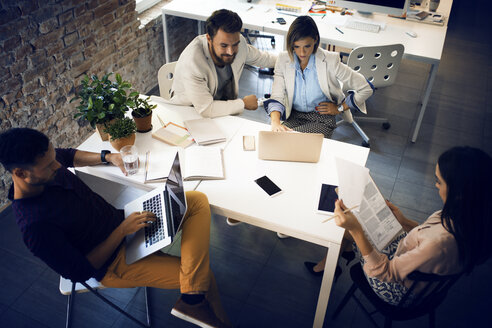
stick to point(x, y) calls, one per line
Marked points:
point(281, 21)
point(268, 186)
point(327, 198)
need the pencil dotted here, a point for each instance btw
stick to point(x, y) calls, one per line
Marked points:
point(160, 120)
point(334, 216)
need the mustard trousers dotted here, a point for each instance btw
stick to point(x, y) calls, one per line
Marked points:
point(190, 272)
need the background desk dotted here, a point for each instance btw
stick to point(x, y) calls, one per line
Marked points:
point(293, 212)
point(426, 47)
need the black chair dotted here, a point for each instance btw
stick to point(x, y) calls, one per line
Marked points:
point(424, 302)
point(70, 288)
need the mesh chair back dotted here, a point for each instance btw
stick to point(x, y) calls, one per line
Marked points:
point(165, 77)
point(379, 65)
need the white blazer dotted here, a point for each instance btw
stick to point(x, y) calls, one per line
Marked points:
point(333, 76)
point(195, 78)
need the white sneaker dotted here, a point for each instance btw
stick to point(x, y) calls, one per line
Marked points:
point(233, 222)
point(282, 236)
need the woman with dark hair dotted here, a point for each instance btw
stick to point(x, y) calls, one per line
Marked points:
point(450, 241)
point(307, 87)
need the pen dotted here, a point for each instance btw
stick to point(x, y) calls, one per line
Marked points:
point(323, 16)
point(334, 216)
point(339, 30)
point(147, 155)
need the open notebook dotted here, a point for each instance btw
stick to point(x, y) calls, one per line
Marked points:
point(197, 163)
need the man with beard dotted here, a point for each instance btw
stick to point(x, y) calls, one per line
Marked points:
point(80, 235)
point(209, 68)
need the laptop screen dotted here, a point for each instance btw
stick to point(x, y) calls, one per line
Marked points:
point(177, 200)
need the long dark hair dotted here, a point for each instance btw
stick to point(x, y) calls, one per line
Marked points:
point(467, 211)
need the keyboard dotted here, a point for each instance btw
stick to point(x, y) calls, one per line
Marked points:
point(362, 26)
point(154, 232)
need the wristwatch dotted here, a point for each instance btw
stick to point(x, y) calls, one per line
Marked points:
point(103, 156)
point(340, 108)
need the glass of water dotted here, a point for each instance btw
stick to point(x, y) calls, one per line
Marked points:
point(129, 154)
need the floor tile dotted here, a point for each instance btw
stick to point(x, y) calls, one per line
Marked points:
point(416, 197)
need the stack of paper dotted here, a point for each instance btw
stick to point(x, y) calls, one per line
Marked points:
point(205, 131)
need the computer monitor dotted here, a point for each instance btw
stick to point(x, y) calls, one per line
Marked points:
point(390, 7)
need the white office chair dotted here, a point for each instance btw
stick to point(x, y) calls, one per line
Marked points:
point(379, 65)
point(165, 77)
point(69, 288)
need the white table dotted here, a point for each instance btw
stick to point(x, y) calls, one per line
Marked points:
point(145, 142)
point(234, 196)
point(426, 47)
point(293, 212)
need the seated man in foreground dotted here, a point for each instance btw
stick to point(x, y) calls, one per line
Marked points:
point(79, 235)
point(208, 70)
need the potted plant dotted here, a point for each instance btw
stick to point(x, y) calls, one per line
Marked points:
point(102, 100)
point(142, 113)
point(121, 132)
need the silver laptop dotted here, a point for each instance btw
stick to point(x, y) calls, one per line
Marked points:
point(168, 203)
point(290, 146)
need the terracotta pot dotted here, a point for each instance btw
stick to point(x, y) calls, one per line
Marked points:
point(100, 129)
point(144, 124)
point(119, 143)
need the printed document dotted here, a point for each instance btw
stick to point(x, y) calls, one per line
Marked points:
point(379, 223)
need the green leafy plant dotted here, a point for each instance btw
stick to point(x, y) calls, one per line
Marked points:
point(141, 107)
point(102, 100)
point(121, 128)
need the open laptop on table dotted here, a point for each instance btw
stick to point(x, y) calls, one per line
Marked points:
point(290, 146)
point(168, 203)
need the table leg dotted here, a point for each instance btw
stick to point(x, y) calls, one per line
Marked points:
point(166, 42)
point(428, 89)
point(199, 27)
point(326, 283)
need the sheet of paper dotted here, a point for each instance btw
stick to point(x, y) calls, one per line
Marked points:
point(160, 164)
point(378, 221)
point(352, 180)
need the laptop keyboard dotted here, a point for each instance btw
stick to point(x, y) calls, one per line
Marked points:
point(154, 232)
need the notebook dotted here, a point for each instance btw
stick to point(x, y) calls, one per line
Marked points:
point(205, 131)
point(290, 146)
point(197, 163)
point(168, 203)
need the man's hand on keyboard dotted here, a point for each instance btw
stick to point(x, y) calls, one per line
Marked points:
point(136, 221)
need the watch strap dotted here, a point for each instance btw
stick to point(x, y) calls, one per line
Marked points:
point(103, 156)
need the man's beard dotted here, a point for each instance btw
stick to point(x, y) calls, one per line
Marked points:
point(218, 59)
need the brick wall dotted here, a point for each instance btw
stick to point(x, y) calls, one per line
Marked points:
point(47, 46)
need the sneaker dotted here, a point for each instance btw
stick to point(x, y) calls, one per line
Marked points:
point(282, 236)
point(233, 222)
point(200, 314)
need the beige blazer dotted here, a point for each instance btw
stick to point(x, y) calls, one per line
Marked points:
point(334, 78)
point(195, 78)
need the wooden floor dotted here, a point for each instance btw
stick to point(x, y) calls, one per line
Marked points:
point(262, 279)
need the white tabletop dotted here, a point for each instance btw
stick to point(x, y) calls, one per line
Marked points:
point(144, 142)
point(293, 212)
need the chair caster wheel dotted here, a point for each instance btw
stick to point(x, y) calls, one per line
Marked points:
point(365, 144)
point(386, 125)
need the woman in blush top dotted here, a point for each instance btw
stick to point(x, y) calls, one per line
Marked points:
point(450, 241)
point(309, 84)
